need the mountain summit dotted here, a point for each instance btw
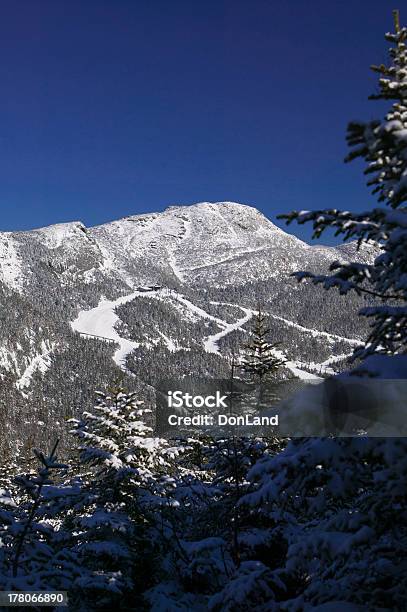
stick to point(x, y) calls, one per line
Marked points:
point(221, 243)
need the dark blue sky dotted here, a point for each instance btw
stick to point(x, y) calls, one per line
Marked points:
point(117, 107)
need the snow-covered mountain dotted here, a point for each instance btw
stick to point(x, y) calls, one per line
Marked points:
point(211, 265)
point(221, 243)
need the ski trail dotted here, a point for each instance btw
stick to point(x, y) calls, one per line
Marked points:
point(171, 346)
point(302, 374)
point(291, 365)
point(196, 309)
point(316, 332)
point(309, 330)
point(334, 359)
point(101, 321)
point(211, 342)
point(225, 259)
point(173, 265)
point(172, 260)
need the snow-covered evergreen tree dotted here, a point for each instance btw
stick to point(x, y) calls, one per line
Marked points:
point(338, 507)
point(260, 359)
point(35, 548)
point(122, 466)
point(115, 440)
point(383, 146)
point(209, 526)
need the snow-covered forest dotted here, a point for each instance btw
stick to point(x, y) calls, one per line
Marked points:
point(123, 519)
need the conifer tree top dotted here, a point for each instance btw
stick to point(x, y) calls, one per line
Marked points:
point(383, 146)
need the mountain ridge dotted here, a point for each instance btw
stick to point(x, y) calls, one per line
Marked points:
point(229, 228)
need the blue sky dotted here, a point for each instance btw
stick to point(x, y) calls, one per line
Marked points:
point(111, 108)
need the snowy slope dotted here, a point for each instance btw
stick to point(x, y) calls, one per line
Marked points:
point(100, 322)
point(223, 242)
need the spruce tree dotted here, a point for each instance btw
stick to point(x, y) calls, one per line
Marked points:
point(383, 146)
point(36, 549)
point(260, 360)
point(121, 468)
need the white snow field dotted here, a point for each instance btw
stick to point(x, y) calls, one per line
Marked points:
point(101, 320)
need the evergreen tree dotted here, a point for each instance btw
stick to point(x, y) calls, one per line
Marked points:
point(261, 358)
point(383, 145)
point(339, 505)
point(123, 465)
point(36, 549)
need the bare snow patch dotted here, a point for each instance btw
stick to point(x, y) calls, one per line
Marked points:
point(11, 272)
point(39, 363)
